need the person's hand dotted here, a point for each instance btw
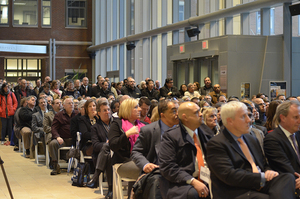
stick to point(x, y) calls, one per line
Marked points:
point(297, 182)
point(132, 131)
point(269, 175)
point(170, 93)
point(149, 167)
point(60, 140)
point(201, 188)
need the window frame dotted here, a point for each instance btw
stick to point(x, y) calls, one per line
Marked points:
point(67, 15)
point(8, 12)
point(42, 14)
point(24, 25)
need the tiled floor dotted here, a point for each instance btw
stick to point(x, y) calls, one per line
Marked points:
point(29, 180)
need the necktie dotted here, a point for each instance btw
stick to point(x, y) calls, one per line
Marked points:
point(247, 154)
point(86, 88)
point(295, 145)
point(199, 153)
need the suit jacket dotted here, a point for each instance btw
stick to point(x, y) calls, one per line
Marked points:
point(164, 92)
point(177, 161)
point(280, 153)
point(74, 128)
point(262, 128)
point(154, 94)
point(37, 122)
point(84, 125)
point(87, 93)
point(231, 172)
point(47, 123)
point(147, 145)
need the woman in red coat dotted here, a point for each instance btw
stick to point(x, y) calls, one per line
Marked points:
point(8, 106)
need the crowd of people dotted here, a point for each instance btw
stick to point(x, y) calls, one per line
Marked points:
point(203, 143)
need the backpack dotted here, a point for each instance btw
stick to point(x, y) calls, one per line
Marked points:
point(147, 186)
point(81, 175)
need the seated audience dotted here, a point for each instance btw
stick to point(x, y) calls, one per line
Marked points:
point(61, 135)
point(144, 104)
point(282, 145)
point(74, 124)
point(182, 89)
point(216, 94)
point(191, 92)
point(238, 168)
point(48, 119)
point(270, 115)
point(122, 135)
point(101, 150)
point(71, 91)
point(37, 123)
point(210, 125)
point(150, 92)
point(146, 148)
point(85, 122)
point(130, 89)
point(168, 90)
point(25, 116)
point(182, 156)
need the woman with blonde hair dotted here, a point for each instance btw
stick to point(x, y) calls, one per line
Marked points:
point(122, 135)
point(210, 123)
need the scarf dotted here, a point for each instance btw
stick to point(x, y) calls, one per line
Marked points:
point(126, 125)
point(57, 92)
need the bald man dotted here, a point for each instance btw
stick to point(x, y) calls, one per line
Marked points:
point(182, 156)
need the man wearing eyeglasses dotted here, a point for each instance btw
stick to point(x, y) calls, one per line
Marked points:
point(130, 89)
point(61, 134)
point(168, 90)
point(262, 111)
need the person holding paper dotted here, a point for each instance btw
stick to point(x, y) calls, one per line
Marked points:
point(182, 157)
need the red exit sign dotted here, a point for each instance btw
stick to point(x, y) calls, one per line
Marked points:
point(205, 44)
point(182, 48)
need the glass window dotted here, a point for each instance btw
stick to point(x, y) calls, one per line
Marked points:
point(12, 74)
point(32, 64)
point(4, 12)
point(272, 21)
point(25, 12)
point(46, 12)
point(258, 23)
point(76, 13)
point(181, 10)
point(12, 64)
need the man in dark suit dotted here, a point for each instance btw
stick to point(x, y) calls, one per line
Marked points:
point(146, 148)
point(180, 147)
point(37, 123)
point(85, 89)
point(237, 164)
point(282, 145)
point(101, 151)
point(168, 90)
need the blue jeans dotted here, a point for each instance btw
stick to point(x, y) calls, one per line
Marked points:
point(6, 127)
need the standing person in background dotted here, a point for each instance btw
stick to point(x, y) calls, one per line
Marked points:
point(8, 106)
point(207, 88)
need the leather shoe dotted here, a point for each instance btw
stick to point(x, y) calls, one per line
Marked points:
point(56, 170)
point(92, 184)
point(109, 195)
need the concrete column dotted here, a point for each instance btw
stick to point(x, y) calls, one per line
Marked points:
point(287, 48)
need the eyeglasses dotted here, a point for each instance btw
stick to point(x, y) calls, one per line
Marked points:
point(262, 104)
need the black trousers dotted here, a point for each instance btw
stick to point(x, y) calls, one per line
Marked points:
point(103, 163)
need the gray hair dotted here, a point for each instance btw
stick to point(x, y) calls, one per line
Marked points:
point(229, 110)
point(29, 97)
point(81, 103)
point(283, 109)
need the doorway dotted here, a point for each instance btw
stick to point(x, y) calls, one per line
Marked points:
point(195, 70)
